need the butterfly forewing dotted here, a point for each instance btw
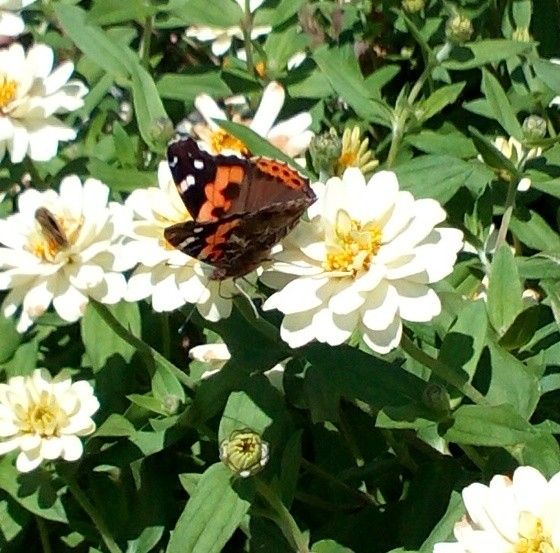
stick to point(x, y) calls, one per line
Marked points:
point(240, 207)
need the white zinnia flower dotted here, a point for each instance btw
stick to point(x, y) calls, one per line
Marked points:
point(31, 94)
point(43, 417)
point(61, 248)
point(221, 38)
point(364, 261)
point(292, 136)
point(11, 23)
point(170, 277)
point(519, 515)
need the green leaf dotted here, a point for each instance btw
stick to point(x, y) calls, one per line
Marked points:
point(511, 382)
point(329, 546)
point(448, 143)
point(504, 290)
point(100, 341)
point(541, 452)
point(154, 124)
point(340, 67)
point(121, 180)
point(165, 385)
point(115, 425)
point(211, 515)
point(444, 528)
point(91, 40)
point(463, 344)
point(186, 87)
point(13, 519)
point(277, 14)
point(202, 12)
point(107, 12)
point(543, 265)
point(534, 231)
point(482, 52)
point(500, 105)
point(548, 72)
point(11, 338)
point(440, 177)
point(242, 412)
point(488, 426)
point(33, 491)
point(437, 101)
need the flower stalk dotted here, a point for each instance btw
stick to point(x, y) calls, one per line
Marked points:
point(508, 211)
point(82, 499)
point(247, 28)
point(447, 374)
point(282, 517)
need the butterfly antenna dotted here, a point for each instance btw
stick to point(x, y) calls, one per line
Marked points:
point(188, 316)
point(247, 297)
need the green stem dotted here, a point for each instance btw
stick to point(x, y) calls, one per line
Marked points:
point(398, 132)
point(283, 518)
point(247, 28)
point(43, 535)
point(82, 499)
point(146, 42)
point(149, 355)
point(361, 497)
point(447, 374)
point(165, 338)
point(506, 217)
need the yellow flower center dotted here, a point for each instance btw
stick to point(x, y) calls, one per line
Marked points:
point(348, 158)
point(45, 417)
point(53, 235)
point(352, 245)
point(533, 538)
point(8, 90)
point(221, 140)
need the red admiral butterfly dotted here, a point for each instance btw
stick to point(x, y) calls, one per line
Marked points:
point(240, 207)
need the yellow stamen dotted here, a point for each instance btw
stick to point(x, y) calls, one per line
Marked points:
point(44, 417)
point(221, 140)
point(260, 68)
point(8, 90)
point(353, 246)
point(533, 538)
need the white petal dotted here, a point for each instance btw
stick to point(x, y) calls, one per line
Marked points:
point(271, 103)
point(69, 303)
point(302, 294)
point(28, 460)
point(73, 448)
point(209, 110)
point(417, 302)
point(51, 448)
point(381, 307)
point(383, 341)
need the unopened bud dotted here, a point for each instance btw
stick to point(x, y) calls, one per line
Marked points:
point(436, 398)
point(413, 6)
point(534, 127)
point(245, 453)
point(458, 29)
point(521, 34)
point(325, 149)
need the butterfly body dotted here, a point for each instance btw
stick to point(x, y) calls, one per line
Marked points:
point(240, 208)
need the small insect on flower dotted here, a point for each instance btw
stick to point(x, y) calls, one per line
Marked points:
point(245, 452)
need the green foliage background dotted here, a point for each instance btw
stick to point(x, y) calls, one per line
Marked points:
point(367, 453)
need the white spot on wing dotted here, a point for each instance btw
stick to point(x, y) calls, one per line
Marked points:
point(173, 161)
point(198, 164)
point(184, 184)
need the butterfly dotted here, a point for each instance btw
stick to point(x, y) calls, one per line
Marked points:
point(240, 207)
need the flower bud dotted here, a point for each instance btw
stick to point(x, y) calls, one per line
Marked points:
point(458, 29)
point(245, 453)
point(534, 127)
point(521, 34)
point(436, 398)
point(325, 149)
point(413, 6)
